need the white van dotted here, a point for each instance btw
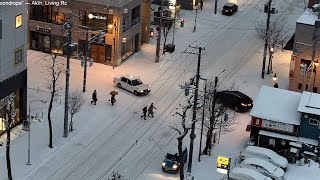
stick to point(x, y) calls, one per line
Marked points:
point(246, 174)
point(266, 154)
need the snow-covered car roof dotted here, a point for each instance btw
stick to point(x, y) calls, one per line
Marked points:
point(276, 158)
point(130, 77)
point(265, 164)
point(244, 173)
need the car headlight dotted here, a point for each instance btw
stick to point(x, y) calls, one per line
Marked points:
point(163, 164)
point(141, 91)
point(175, 166)
point(243, 104)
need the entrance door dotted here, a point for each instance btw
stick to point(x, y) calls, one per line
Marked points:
point(108, 54)
point(136, 43)
point(98, 53)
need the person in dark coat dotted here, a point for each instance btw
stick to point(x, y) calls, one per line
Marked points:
point(201, 4)
point(94, 97)
point(145, 109)
point(276, 85)
point(113, 99)
point(150, 110)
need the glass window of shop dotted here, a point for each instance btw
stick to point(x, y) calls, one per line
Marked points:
point(98, 21)
point(15, 107)
point(135, 16)
point(49, 14)
point(57, 44)
point(40, 42)
point(41, 13)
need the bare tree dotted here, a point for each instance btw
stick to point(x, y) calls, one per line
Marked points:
point(185, 129)
point(216, 112)
point(54, 67)
point(9, 115)
point(277, 37)
point(76, 100)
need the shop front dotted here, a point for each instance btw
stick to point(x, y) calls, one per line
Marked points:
point(14, 87)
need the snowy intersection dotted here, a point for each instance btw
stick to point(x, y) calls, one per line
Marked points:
point(114, 138)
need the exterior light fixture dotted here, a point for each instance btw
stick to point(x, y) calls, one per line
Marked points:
point(316, 63)
point(125, 11)
point(271, 50)
point(90, 16)
point(110, 26)
point(110, 11)
point(275, 77)
point(124, 40)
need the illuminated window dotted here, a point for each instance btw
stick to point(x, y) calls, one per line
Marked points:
point(19, 21)
point(18, 55)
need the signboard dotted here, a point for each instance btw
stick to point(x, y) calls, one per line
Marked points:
point(43, 29)
point(272, 125)
point(223, 164)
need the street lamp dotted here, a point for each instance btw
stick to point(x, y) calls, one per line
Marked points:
point(270, 60)
point(29, 129)
point(90, 16)
point(275, 77)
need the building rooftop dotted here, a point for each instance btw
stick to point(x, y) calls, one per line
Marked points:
point(107, 3)
point(310, 103)
point(278, 105)
point(308, 17)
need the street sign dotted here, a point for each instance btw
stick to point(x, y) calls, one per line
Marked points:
point(223, 164)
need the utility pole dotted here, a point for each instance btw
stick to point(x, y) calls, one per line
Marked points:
point(67, 25)
point(202, 120)
point(194, 116)
point(159, 33)
point(195, 20)
point(86, 49)
point(174, 24)
point(215, 6)
point(266, 40)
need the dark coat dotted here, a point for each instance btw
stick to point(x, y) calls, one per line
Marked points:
point(94, 96)
point(145, 109)
point(151, 107)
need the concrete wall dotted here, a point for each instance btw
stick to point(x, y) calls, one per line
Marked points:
point(12, 38)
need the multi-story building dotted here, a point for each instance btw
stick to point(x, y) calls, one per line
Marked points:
point(125, 23)
point(13, 63)
point(303, 75)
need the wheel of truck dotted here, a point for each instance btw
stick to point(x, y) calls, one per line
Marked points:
point(135, 93)
point(119, 85)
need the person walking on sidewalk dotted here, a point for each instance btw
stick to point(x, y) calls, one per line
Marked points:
point(276, 85)
point(94, 97)
point(150, 110)
point(201, 4)
point(145, 109)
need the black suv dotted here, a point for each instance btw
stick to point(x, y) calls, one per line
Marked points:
point(171, 162)
point(229, 9)
point(234, 100)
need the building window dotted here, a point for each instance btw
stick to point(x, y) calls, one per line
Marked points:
point(41, 13)
point(0, 29)
point(307, 87)
point(18, 20)
point(313, 122)
point(299, 86)
point(135, 16)
point(18, 55)
point(315, 89)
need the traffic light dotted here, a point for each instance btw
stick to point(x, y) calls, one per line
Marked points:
point(186, 89)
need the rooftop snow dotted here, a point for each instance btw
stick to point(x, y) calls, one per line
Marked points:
point(290, 138)
point(277, 105)
point(308, 17)
point(310, 103)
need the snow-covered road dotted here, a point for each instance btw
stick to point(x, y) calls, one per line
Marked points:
point(114, 138)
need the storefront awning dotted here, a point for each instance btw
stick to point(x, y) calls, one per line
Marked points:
point(290, 138)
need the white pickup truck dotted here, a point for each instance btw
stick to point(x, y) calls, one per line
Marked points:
point(132, 84)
